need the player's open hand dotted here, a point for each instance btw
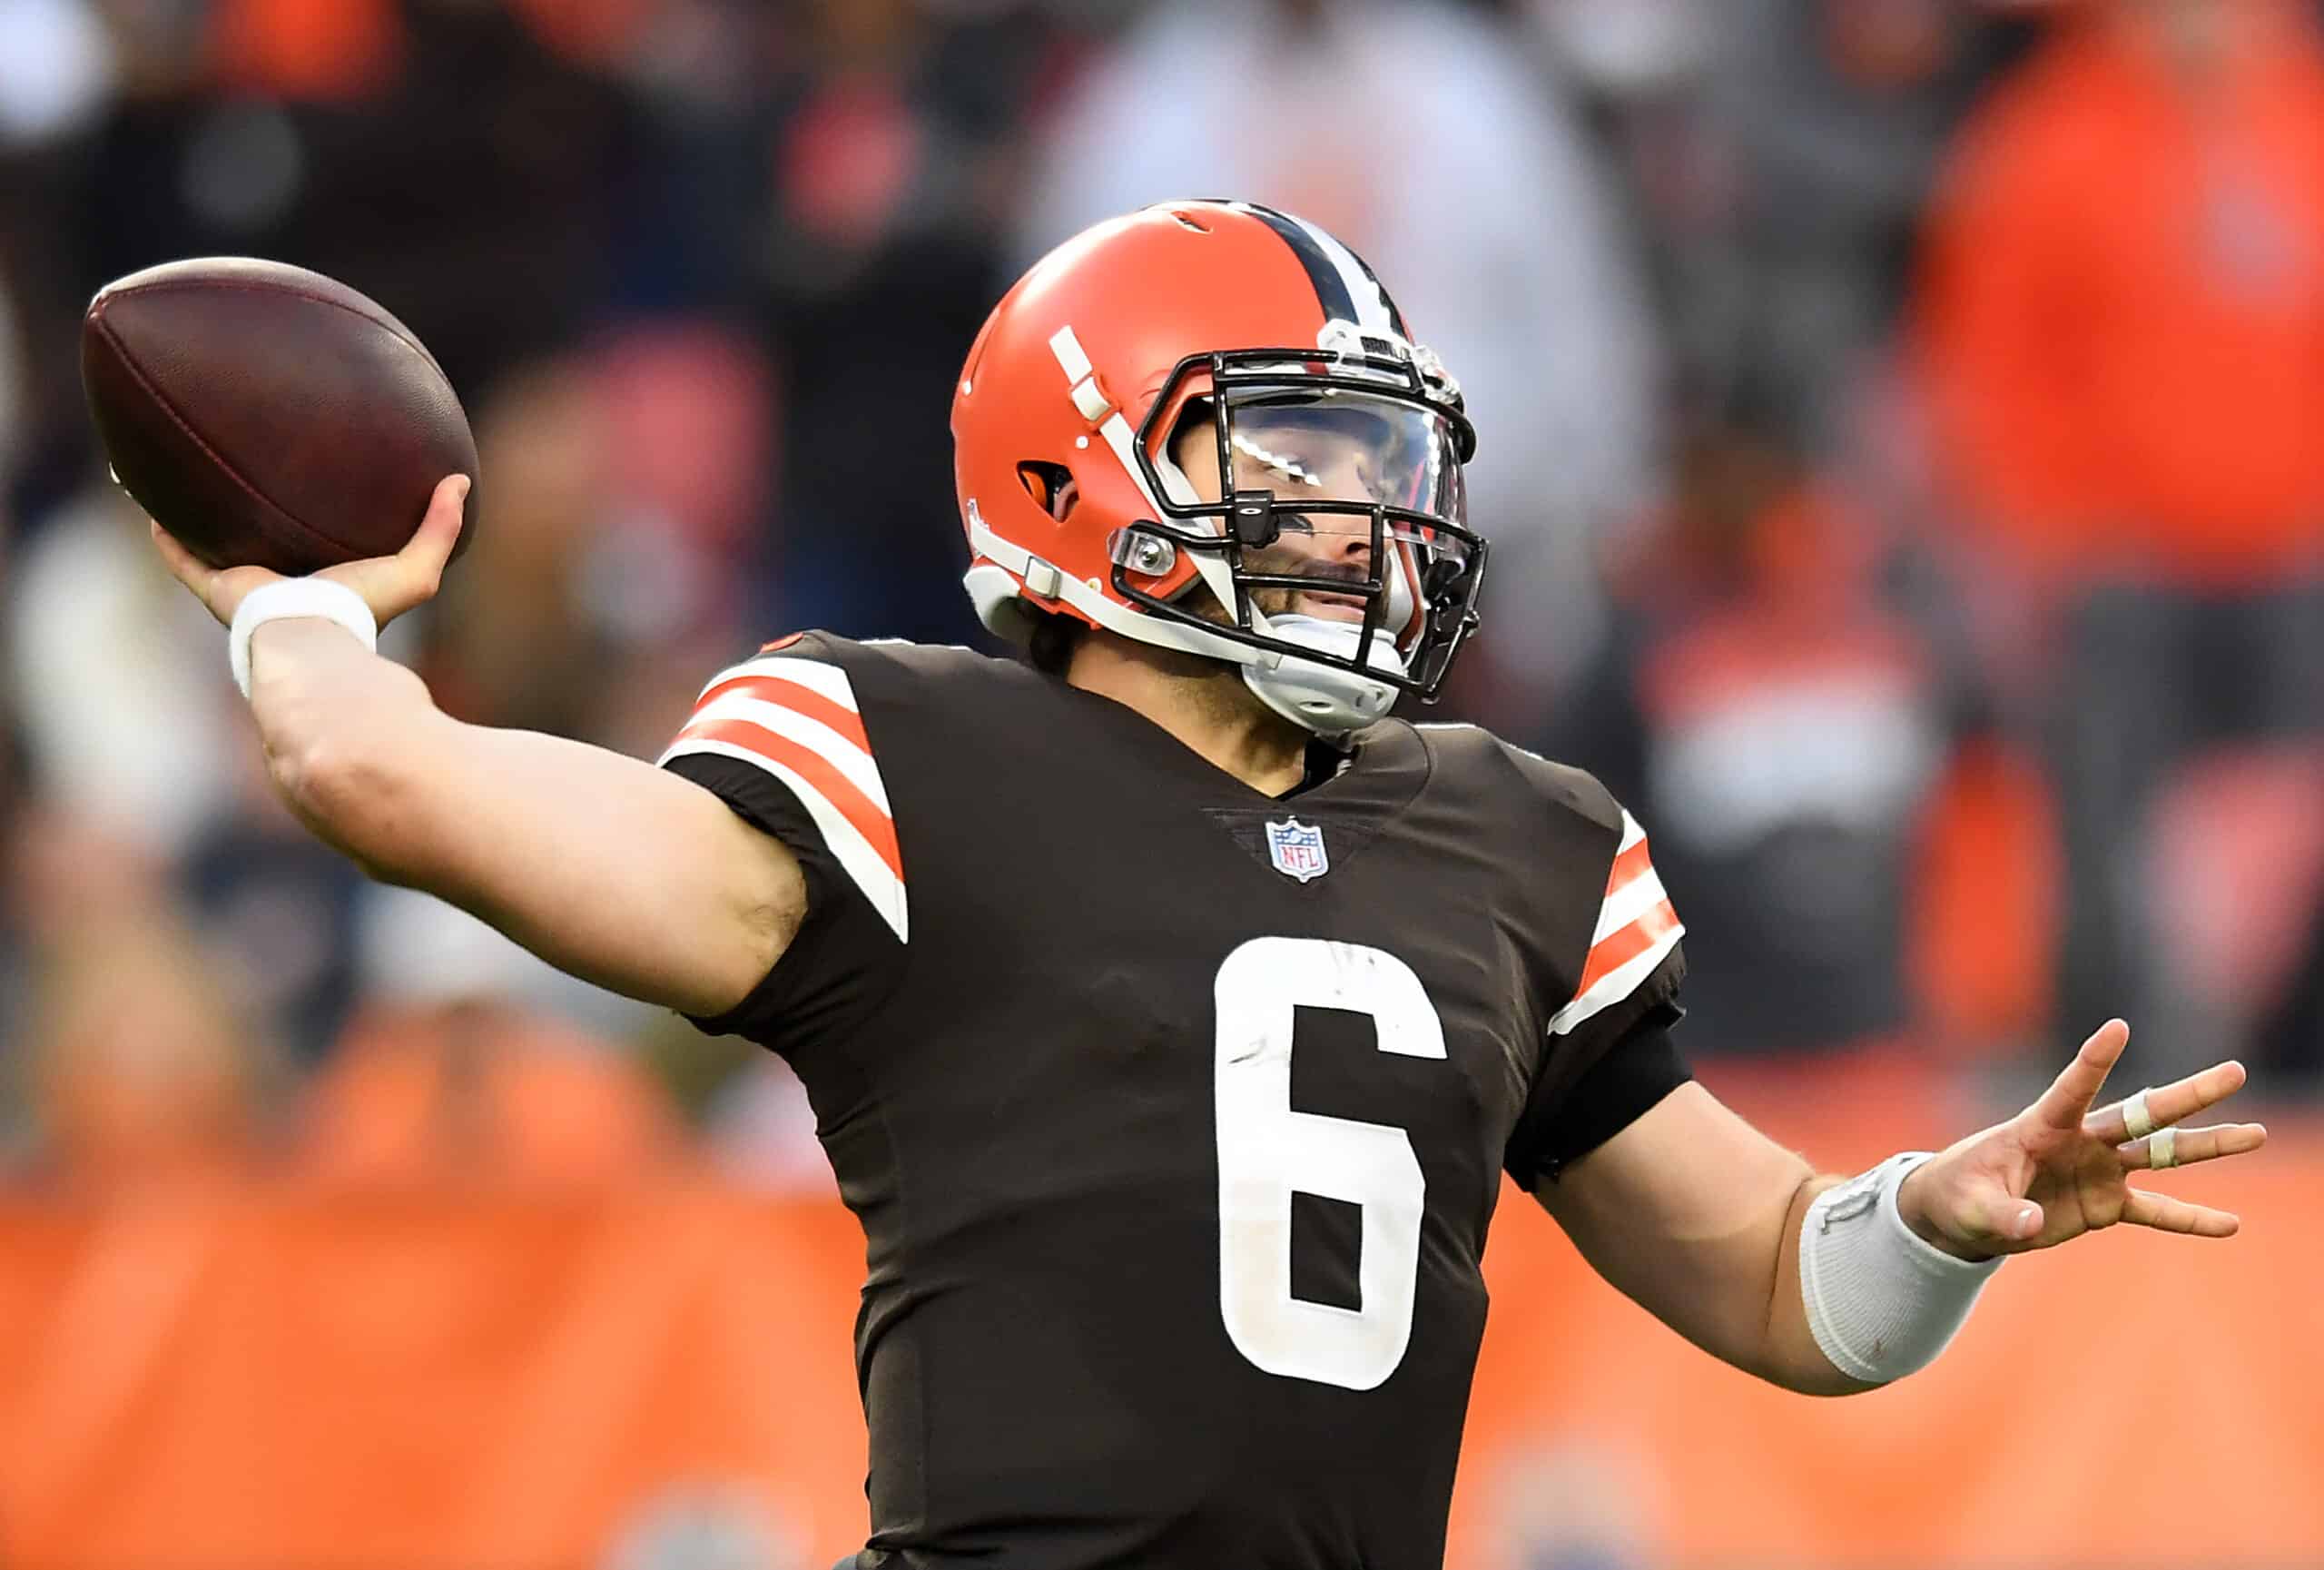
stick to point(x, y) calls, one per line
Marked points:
point(2058, 1168)
point(390, 585)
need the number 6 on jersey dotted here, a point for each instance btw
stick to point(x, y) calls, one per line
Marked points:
point(1266, 1151)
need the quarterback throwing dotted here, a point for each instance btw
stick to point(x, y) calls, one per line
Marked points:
point(1170, 1011)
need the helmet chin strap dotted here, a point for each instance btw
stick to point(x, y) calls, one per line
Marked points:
point(1320, 698)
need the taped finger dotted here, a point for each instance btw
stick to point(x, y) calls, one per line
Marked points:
point(2185, 1146)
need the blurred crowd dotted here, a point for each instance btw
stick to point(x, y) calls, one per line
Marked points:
point(1901, 436)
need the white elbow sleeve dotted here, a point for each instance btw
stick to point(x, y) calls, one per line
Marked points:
point(1880, 1300)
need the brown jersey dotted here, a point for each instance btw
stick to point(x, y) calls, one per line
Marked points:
point(1174, 1114)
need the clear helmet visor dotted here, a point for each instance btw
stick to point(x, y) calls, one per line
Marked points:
point(1334, 462)
point(1348, 446)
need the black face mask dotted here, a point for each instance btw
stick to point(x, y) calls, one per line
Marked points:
point(1366, 446)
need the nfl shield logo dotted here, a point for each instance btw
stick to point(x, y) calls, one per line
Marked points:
point(1297, 850)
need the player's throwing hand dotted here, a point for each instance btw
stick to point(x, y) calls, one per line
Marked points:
point(390, 585)
point(2058, 1168)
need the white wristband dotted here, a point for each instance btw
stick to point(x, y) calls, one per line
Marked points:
point(296, 597)
point(1881, 1300)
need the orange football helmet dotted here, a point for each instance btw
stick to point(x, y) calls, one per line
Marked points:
point(1279, 346)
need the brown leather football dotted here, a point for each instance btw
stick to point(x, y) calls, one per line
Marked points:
point(268, 416)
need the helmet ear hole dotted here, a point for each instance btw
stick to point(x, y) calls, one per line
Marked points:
point(1049, 484)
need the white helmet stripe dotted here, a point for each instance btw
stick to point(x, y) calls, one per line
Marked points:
point(1345, 288)
point(1372, 313)
point(1069, 353)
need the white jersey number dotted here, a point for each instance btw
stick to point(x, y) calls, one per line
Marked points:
point(1266, 1151)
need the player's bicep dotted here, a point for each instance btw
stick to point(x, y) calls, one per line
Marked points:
point(1684, 1212)
point(613, 870)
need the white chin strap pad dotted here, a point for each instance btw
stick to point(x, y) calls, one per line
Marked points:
point(1325, 700)
point(1402, 600)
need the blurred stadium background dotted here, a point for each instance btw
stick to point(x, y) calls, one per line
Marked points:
point(1903, 440)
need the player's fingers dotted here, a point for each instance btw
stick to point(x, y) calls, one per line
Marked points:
point(431, 545)
point(221, 589)
point(2165, 1214)
point(2067, 1101)
point(184, 565)
point(1996, 1218)
point(2167, 1104)
point(2191, 1145)
point(392, 585)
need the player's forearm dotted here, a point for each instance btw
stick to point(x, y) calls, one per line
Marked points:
point(1734, 1291)
point(1735, 1288)
point(1696, 1215)
point(608, 868)
point(1788, 1355)
point(333, 717)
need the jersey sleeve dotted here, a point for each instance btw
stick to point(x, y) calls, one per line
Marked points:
point(1633, 959)
point(781, 738)
point(1609, 1055)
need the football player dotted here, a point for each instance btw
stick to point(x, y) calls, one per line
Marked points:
point(1170, 1012)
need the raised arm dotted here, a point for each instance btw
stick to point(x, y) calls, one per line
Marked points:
point(605, 866)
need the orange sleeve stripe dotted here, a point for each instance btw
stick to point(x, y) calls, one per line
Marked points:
point(1619, 947)
point(793, 696)
point(878, 829)
point(1629, 867)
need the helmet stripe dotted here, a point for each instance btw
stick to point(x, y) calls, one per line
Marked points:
point(1330, 284)
point(1375, 312)
point(1346, 286)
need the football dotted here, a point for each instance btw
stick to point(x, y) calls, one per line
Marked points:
point(268, 416)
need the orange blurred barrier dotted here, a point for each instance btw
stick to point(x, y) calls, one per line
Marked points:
point(262, 1376)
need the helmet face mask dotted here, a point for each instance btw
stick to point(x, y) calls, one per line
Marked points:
point(1357, 446)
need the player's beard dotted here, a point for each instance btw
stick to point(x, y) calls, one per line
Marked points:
point(1217, 690)
point(1275, 561)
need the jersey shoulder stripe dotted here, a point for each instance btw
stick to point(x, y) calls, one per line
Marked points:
point(797, 719)
point(1637, 929)
point(787, 689)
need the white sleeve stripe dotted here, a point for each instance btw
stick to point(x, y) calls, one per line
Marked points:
point(1627, 903)
point(1616, 984)
point(847, 846)
point(841, 751)
point(820, 675)
point(1631, 832)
